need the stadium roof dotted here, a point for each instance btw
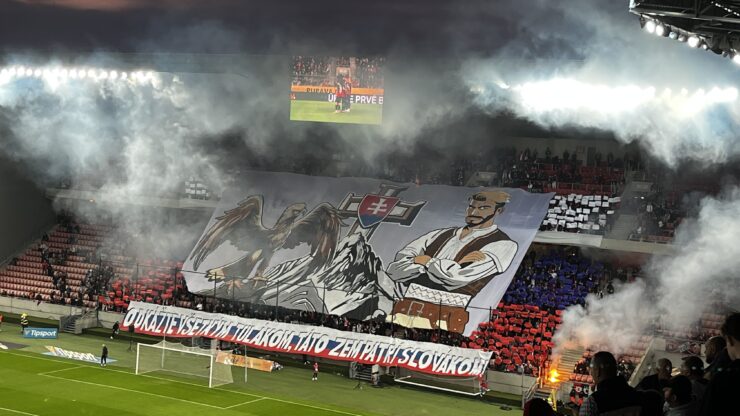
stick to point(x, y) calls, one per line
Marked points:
point(716, 22)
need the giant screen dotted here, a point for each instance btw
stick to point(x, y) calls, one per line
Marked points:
point(337, 89)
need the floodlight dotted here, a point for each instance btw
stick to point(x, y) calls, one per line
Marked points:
point(650, 26)
point(660, 30)
point(694, 41)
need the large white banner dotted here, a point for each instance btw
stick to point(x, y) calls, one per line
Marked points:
point(333, 344)
point(429, 256)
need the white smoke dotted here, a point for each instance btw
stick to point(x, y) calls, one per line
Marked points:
point(600, 70)
point(700, 274)
point(126, 139)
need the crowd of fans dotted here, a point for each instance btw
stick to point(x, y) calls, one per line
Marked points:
point(559, 277)
point(317, 71)
point(696, 388)
point(369, 72)
point(576, 213)
point(659, 214)
point(566, 174)
point(625, 367)
point(309, 69)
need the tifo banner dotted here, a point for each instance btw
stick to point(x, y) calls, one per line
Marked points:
point(41, 333)
point(251, 363)
point(87, 357)
point(330, 343)
point(429, 256)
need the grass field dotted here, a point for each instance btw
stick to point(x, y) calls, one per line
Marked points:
point(324, 111)
point(37, 385)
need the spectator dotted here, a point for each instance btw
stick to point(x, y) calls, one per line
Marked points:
point(678, 397)
point(104, 356)
point(538, 407)
point(24, 322)
point(693, 368)
point(659, 380)
point(714, 350)
point(115, 330)
point(721, 395)
point(612, 391)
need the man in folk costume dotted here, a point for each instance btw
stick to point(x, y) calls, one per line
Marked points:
point(444, 269)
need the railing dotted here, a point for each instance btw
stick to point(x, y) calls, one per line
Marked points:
point(636, 374)
point(527, 395)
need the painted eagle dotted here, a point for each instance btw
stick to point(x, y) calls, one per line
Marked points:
point(242, 227)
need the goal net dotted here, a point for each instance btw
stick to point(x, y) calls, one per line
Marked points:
point(173, 358)
point(469, 386)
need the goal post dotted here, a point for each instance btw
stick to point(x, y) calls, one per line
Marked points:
point(173, 358)
point(468, 386)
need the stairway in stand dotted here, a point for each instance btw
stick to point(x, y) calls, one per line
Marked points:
point(564, 367)
point(567, 362)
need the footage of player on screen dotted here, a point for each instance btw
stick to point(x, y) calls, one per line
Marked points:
point(343, 100)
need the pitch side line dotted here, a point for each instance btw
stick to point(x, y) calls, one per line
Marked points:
point(192, 384)
point(18, 411)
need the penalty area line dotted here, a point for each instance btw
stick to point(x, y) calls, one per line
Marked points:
point(175, 381)
point(134, 391)
point(247, 402)
point(63, 369)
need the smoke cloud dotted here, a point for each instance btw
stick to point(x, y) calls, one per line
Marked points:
point(677, 288)
point(587, 64)
point(210, 118)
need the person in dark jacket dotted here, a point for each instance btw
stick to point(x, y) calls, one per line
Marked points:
point(659, 380)
point(115, 330)
point(715, 354)
point(721, 396)
point(693, 368)
point(612, 391)
point(104, 356)
point(679, 398)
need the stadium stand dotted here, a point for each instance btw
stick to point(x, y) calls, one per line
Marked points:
point(566, 175)
point(576, 213)
point(627, 361)
point(85, 265)
point(548, 281)
point(658, 216)
point(520, 337)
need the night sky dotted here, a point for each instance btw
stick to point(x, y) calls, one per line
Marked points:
point(425, 27)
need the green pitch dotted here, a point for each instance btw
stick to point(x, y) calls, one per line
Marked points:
point(324, 111)
point(33, 384)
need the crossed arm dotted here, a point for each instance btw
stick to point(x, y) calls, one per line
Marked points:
point(411, 261)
